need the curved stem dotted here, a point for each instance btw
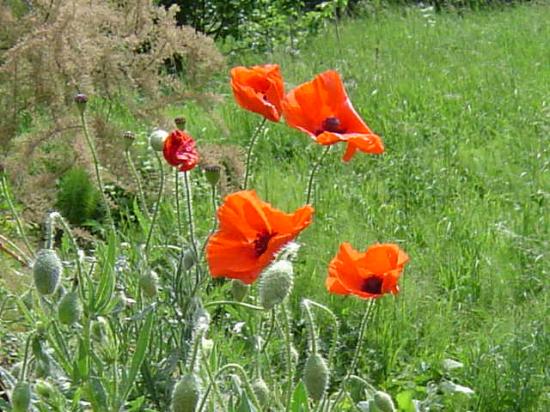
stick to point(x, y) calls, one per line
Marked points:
point(134, 171)
point(334, 319)
point(23, 371)
point(215, 219)
point(178, 208)
point(270, 331)
point(313, 173)
point(311, 326)
point(157, 204)
point(96, 167)
point(240, 371)
point(73, 243)
point(362, 329)
point(232, 302)
point(249, 152)
point(22, 233)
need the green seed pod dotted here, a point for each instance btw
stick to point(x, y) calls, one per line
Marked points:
point(316, 376)
point(47, 270)
point(239, 290)
point(149, 284)
point(276, 283)
point(186, 394)
point(188, 259)
point(129, 138)
point(69, 309)
point(212, 174)
point(383, 402)
point(44, 389)
point(262, 393)
point(21, 397)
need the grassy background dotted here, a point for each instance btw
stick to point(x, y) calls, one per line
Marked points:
point(461, 102)
point(462, 105)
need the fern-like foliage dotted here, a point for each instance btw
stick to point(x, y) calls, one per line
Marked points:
point(77, 198)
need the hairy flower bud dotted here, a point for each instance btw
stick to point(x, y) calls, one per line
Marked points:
point(47, 270)
point(239, 290)
point(316, 376)
point(149, 284)
point(383, 402)
point(157, 138)
point(69, 309)
point(276, 283)
point(21, 397)
point(262, 393)
point(186, 394)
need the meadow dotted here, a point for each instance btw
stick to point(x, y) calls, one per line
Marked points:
point(461, 103)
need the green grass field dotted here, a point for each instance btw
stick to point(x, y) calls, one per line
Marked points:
point(461, 102)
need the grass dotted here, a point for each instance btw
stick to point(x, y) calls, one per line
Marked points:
point(461, 102)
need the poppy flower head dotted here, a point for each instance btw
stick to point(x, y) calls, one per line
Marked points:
point(259, 89)
point(370, 274)
point(322, 109)
point(251, 232)
point(179, 150)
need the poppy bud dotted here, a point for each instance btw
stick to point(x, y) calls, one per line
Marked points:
point(383, 402)
point(239, 290)
point(47, 270)
point(149, 284)
point(276, 283)
point(186, 394)
point(129, 138)
point(188, 259)
point(316, 376)
point(81, 99)
point(157, 138)
point(44, 389)
point(69, 309)
point(212, 174)
point(262, 392)
point(21, 397)
point(180, 122)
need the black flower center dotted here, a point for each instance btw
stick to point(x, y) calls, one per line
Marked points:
point(372, 285)
point(331, 124)
point(261, 242)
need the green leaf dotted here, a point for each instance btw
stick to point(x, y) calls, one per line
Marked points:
point(107, 280)
point(405, 401)
point(299, 399)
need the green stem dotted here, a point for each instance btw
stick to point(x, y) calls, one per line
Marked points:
point(313, 173)
point(249, 152)
point(215, 219)
point(178, 208)
point(311, 327)
point(73, 243)
point(334, 342)
point(288, 349)
point(190, 220)
point(22, 233)
point(232, 302)
point(23, 371)
point(96, 167)
point(270, 331)
point(141, 194)
point(362, 329)
point(157, 204)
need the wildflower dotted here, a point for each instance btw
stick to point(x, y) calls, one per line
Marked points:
point(179, 150)
point(370, 274)
point(251, 232)
point(322, 109)
point(259, 89)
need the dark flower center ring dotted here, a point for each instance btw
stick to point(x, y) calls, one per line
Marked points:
point(372, 285)
point(331, 124)
point(261, 242)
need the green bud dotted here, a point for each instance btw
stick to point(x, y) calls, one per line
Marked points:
point(383, 402)
point(157, 138)
point(47, 271)
point(186, 394)
point(316, 376)
point(21, 397)
point(149, 284)
point(212, 174)
point(276, 283)
point(69, 309)
point(239, 290)
point(44, 389)
point(262, 393)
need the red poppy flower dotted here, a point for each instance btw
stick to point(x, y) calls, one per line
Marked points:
point(322, 109)
point(370, 274)
point(259, 89)
point(179, 150)
point(251, 232)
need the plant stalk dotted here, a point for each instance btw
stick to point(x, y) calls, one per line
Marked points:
point(249, 152)
point(313, 174)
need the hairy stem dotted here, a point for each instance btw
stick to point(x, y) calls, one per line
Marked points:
point(135, 173)
point(289, 363)
point(313, 174)
point(190, 220)
point(249, 152)
point(157, 204)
